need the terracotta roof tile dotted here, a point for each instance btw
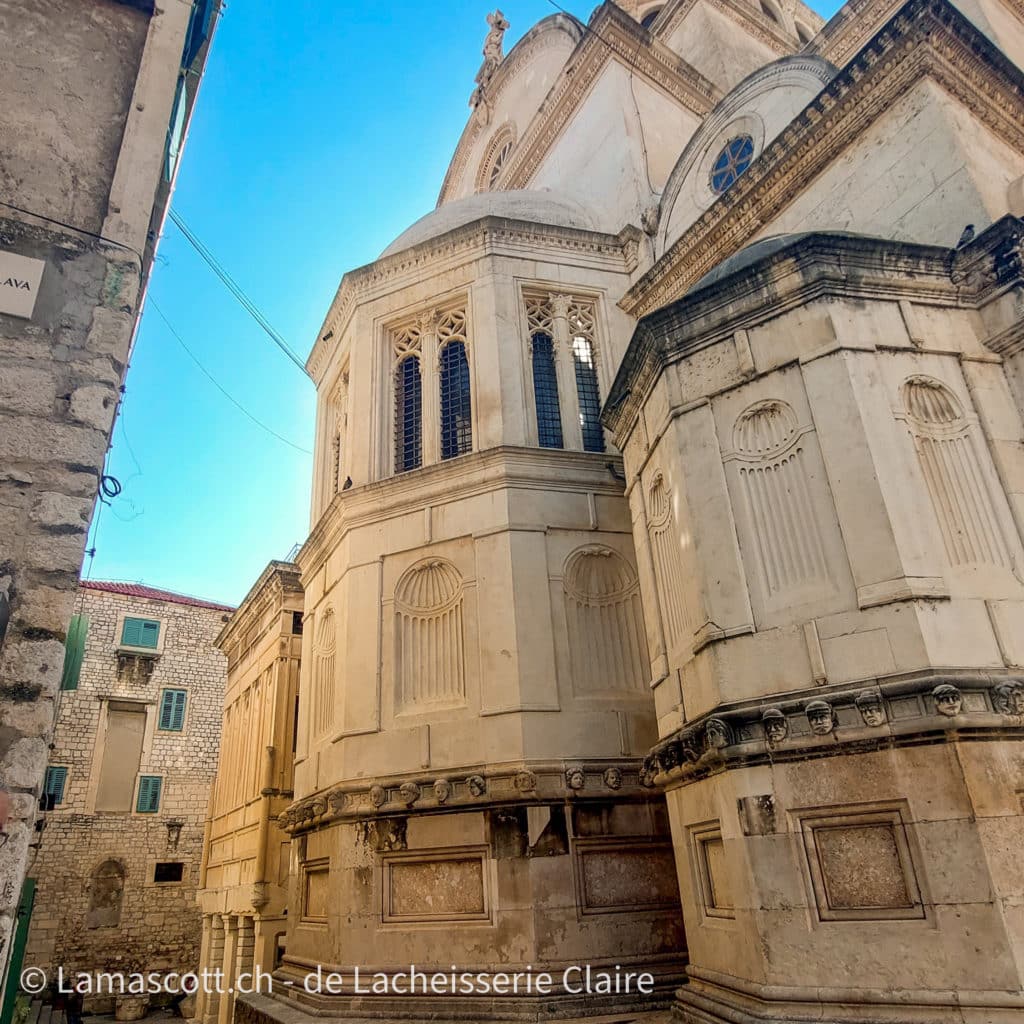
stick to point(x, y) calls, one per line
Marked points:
point(152, 593)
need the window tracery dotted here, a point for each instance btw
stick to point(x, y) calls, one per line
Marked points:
point(735, 157)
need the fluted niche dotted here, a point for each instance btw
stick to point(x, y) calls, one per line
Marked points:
point(607, 645)
point(430, 666)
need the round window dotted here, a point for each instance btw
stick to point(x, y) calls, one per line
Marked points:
point(735, 158)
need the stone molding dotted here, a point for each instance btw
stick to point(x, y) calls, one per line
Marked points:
point(746, 16)
point(488, 236)
point(461, 789)
point(277, 579)
point(925, 39)
point(802, 270)
point(840, 720)
point(477, 473)
point(518, 57)
point(612, 35)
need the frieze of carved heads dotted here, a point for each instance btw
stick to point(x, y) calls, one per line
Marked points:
point(790, 728)
point(338, 799)
point(776, 725)
point(575, 778)
point(820, 717)
point(477, 785)
point(442, 790)
point(525, 781)
point(613, 778)
point(378, 794)
point(871, 707)
point(948, 700)
point(410, 793)
point(1008, 697)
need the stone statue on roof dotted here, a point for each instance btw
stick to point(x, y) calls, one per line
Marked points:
point(493, 53)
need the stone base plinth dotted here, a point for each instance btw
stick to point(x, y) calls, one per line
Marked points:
point(711, 998)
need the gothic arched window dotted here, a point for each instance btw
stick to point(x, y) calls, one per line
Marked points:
point(545, 392)
point(581, 327)
point(408, 415)
point(456, 418)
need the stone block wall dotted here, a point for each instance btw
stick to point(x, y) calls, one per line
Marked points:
point(159, 926)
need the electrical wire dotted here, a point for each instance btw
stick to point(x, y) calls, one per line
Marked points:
point(209, 376)
point(247, 304)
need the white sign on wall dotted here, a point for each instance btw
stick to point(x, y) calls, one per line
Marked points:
point(19, 283)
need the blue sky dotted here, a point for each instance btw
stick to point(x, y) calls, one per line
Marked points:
point(322, 130)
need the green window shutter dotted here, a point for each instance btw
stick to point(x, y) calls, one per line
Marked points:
point(172, 710)
point(74, 649)
point(140, 633)
point(149, 794)
point(54, 784)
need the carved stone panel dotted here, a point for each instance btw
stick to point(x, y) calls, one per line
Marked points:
point(860, 864)
point(714, 883)
point(449, 886)
point(315, 878)
point(625, 877)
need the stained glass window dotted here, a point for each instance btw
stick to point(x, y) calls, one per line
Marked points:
point(736, 156)
point(408, 415)
point(545, 393)
point(456, 418)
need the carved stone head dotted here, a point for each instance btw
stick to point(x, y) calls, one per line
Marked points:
point(1008, 698)
point(575, 778)
point(477, 785)
point(613, 778)
point(410, 792)
point(338, 801)
point(442, 790)
point(378, 794)
point(525, 781)
point(716, 734)
point(821, 717)
point(872, 710)
point(776, 725)
point(948, 700)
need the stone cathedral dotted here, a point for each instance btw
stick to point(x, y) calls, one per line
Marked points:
point(662, 613)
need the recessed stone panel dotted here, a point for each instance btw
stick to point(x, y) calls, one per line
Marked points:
point(450, 887)
point(315, 878)
point(860, 864)
point(621, 878)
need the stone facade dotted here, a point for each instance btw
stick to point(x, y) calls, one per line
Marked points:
point(91, 88)
point(785, 259)
point(101, 902)
point(246, 855)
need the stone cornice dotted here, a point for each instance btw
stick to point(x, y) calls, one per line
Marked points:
point(518, 57)
point(484, 237)
point(474, 787)
point(276, 580)
point(932, 707)
point(477, 473)
point(611, 35)
point(926, 39)
point(758, 25)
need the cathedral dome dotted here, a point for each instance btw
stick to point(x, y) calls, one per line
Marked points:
point(540, 206)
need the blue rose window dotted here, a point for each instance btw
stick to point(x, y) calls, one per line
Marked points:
point(734, 159)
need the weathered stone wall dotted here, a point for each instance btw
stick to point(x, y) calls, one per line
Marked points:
point(59, 379)
point(66, 98)
point(159, 923)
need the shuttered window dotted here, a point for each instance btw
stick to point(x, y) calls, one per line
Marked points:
point(149, 794)
point(53, 787)
point(74, 649)
point(172, 710)
point(140, 633)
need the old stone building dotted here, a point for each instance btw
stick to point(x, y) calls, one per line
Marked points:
point(126, 790)
point(97, 96)
point(246, 858)
point(663, 596)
